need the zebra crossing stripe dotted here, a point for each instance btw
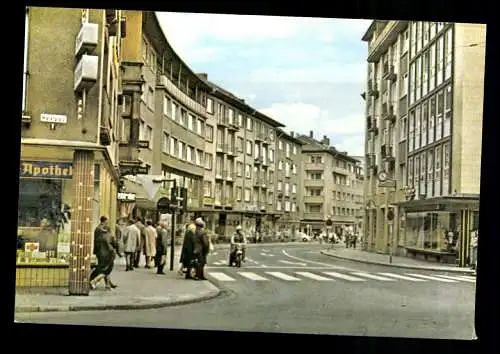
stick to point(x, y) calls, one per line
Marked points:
point(432, 278)
point(221, 276)
point(283, 276)
point(343, 276)
point(372, 276)
point(468, 277)
point(313, 276)
point(252, 276)
point(457, 278)
point(398, 276)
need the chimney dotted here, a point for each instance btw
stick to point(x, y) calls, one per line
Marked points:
point(292, 134)
point(311, 134)
point(203, 76)
point(325, 141)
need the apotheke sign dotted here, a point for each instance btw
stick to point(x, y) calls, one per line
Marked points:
point(46, 169)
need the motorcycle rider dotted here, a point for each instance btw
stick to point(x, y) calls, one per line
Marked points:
point(237, 237)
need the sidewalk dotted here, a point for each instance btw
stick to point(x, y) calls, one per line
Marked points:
point(358, 255)
point(140, 289)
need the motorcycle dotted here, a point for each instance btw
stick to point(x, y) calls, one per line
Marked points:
point(238, 255)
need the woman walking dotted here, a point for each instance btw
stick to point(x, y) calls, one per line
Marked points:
point(105, 251)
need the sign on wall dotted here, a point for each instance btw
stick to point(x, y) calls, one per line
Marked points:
point(46, 169)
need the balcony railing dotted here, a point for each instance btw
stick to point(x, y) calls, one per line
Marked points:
point(314, 166)
point(316, 199)
point(314, 216)
point(259, 136)
point(373, 89)
point(389, 72)
point(314, 182)
point(388, 112)
point(184, 98)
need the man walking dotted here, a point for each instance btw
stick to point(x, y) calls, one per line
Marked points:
point(132, 241)
point(161, 246)
point(142, 242)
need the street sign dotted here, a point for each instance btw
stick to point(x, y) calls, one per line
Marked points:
point(387, 184)
point(143, 144)
point(126, 197)
point(133, 170)
point(163, 205)
point(390, 215)
point(329, 222)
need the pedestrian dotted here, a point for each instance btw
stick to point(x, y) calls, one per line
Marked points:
point(354, 240)
point(150, 243)
point(105, 251)
point(201, 249)
point(161, 247)
point(132, 241)
point(142, 242)
point(474, 242)
point(187, 252)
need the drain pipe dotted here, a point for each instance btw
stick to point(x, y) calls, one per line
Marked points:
point(25, 68)
point(101, 73)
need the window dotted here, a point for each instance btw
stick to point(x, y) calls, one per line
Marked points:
point(256, 151)
point(182, 152)
point(314, 208)
point(294, 169)
point(174, 111)
point(270, 198)
point(150, 99)
point(419, 36)
point(199, 154)
point(248, 171)
point(173, 146)
point(167, 107)
point(416, 174)
point(287, 150)
point(271, 177)
point(149, 136)
point(280, 165)
point(437, 171)
point(208, 161)
point(184, 118)
point(287, 188)
point(404, 85)
point(207, 189)
point(249, 123)
point(430, 173)
point(199, 127)
point(218, 193)
point(411, 131)
point(294, 188)
point(432, 30)
point(447, 112)
point(439, 117)
point(271, 155)
point(219, 162)
point(425, 118)
point(190, 154)
point(240, 120)
point(448, 54)
point(425, 32)
point(191, 122)
point(247, 194)
point(432, 120)
point(402, 129)
point(412, 82)
point(410, 172)
point(316, 175)
point(209, 133)
point(280, 145)
point(439, 60)
point(446, 168)
point(425, 73)
point(230, 114)
point(249, 148)
point(210, 106)
point(144, 51)
point(279, 186)
point(165, 143)
point(432, 67)
point(413, 39)
point(418, 79)
point(423, 172)
point(294, 150)
point(287, 169)
point(239, 168)
point(239, 192)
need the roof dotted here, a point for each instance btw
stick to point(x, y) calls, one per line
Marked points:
point(232, 99)
point(369, 32)
point(293, 139)
point(312, 145)
point(429, 204)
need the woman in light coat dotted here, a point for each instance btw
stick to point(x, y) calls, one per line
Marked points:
point(150, 243)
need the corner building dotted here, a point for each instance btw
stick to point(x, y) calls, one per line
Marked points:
point(434, 135)
point(69, 154)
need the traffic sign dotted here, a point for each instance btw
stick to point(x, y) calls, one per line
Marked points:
point(387, 184)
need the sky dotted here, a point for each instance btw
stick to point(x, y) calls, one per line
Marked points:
point(307, 73)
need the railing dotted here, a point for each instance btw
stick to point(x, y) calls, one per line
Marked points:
point(184, 98)
point(314, 167)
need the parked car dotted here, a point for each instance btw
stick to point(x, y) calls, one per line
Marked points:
point(303, 237)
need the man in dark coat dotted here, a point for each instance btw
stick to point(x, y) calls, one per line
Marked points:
point(161, 247)
point(201, 248)
point(187, 253)
point(104, 249)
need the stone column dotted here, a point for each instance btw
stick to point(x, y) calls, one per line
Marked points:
point(81, 227)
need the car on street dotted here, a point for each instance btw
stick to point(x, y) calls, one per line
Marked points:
point(303, 237)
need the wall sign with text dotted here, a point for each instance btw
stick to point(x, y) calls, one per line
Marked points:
point(46, 169)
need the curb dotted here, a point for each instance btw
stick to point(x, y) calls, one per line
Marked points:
point(451, 270)
point(152, 305)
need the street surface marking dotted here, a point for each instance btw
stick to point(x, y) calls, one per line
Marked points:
point(293, 263)
point(283, 276)
point(313, 276)
point(221, 276)
point(331, 266)
point(220, 262)
point(252, 276)
point(432, 278)
point(343, 276)
point(266, 254)
point(265, 250)
point(372, 276)
point(397, 276)
point(468, 277)
point(457, 278)
point(260, 266)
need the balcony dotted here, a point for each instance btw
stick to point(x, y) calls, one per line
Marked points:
point(314, 216)
point(229, 175)
point(182, 97)
point(314, 182)
point(259, 137)
point(373, 89)
point(314, 199)
point(389, 72)
point(385, 38)
point(219, 175)
point(222, 122)
point(230, 150)
point(314, 167)
point(219, 148)
point(388, 112)
point(208, 201)
point(386, 153)
point(258, 160)
point(105, 136)
point(228, 202)
point(233, 126)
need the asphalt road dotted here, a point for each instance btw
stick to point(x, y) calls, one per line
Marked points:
point(294, 289)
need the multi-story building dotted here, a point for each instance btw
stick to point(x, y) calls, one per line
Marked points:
point(424, 114)
point(288, 181)
point(359, 196)
point(244, 187)
point(69, 150)
point(165, 114)
point(330, 186)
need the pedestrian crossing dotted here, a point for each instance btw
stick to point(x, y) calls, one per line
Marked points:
point(330, 276)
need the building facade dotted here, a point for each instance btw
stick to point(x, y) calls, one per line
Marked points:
point(288, 182)
point(70, 121)
point(424, 116)
point(330, 187)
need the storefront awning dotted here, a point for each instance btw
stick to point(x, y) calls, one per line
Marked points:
point(445, 203)
point(142, 199)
